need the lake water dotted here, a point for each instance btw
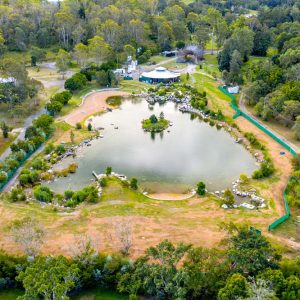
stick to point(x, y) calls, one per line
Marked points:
point(168, 162)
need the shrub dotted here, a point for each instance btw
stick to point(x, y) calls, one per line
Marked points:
point(62, 97)
point(108, 171)
point(68, 194)
point(201, 188)
point(17, 195)
point(134, 183)
point(3, 176)
point(43, 194)
point(76, 82)
point(72, 168)
point(54, 107)
point(90, 127)
point(103, 182)
point(78, 126)
point(228, 198)
point(266, 170)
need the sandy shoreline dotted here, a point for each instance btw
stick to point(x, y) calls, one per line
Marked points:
point(92, 104)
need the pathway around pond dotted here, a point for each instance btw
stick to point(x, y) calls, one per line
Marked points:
point(92, 104)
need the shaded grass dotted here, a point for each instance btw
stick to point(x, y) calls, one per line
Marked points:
point(5, 143)
point(134, 86)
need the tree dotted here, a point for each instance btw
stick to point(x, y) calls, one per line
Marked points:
point(99, 50)
point(123, 235)
point(296, 128)
point(49, 278)
point(90, 127)
point(108, 171)
point(81, 53)
point(130, 51)
point(201, 188)
point(236, 62)
point(158, 273)
point(44, 122)
point(134, 183)
point(28, 234)
point(236, 288)
point(250, 252)
point(54, 107)
point(259, 289)
point(37, 55)
point(153, 119)
point(63, 60)
point(5, 130)
point(206, 272)
point(76, 82)
point(102, 78)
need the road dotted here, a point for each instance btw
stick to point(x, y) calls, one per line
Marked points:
point(243, 108)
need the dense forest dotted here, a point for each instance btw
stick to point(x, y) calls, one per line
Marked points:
point(246, 267)
point(100, 31)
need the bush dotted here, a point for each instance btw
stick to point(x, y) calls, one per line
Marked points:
point(103, 182)
point(78, 126)
point(43, 194)
point(62, 97)
point(108, 171)
point(90, 127)
point(17, 195)
point(266, 170)
point(76, 82)
point(3, 176)
point(201, 188)
point(134, 183)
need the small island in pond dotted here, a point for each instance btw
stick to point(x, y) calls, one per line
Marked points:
point(154, 124)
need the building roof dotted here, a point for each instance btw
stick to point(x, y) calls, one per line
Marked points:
point(161, 73)
point(7, 80)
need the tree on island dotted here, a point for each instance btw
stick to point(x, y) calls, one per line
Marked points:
point(154, 124)
point(153, 119)
point(108, 171)
point(161, 116)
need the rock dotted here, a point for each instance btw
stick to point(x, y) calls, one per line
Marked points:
point(224, 206)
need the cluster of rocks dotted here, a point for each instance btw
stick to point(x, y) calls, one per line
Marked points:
point(153, 98)
point(257, 202)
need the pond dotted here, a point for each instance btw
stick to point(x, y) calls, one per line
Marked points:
point(165, 162)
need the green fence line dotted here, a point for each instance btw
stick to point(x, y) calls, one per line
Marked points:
point(238, 113)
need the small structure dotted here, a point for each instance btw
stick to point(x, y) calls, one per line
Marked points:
point(160, 75)
point(191, 53)
point(8, 80)
point(233, 89)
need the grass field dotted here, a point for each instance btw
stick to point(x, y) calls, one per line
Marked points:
point(134, 86)
point(195, 220)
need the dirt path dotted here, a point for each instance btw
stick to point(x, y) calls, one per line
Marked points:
point(93, 103)
point(281, 162)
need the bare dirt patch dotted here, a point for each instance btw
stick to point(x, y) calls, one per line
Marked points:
point(92, 104)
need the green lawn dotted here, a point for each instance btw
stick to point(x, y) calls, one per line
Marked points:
point(134, 86)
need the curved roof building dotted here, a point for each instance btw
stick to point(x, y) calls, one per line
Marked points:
point(159, 75)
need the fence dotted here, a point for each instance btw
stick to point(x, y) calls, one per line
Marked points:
point(238, 113)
